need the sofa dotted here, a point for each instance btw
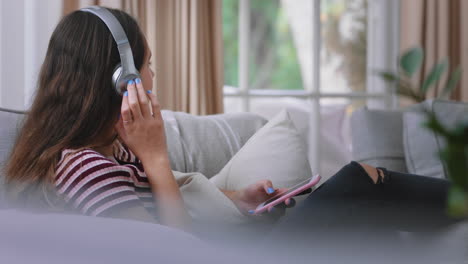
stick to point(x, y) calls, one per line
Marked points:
point(398, 140)
point(380, 138)
point(199, 148)
point(186, 136)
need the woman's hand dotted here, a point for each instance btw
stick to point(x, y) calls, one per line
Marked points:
point(141, 126)
point(249, 198)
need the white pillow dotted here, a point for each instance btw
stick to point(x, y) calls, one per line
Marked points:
point(276, 152)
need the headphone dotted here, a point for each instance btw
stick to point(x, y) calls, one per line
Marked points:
point(125, 70)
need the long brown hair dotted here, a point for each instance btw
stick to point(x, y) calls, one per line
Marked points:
point(75, 102)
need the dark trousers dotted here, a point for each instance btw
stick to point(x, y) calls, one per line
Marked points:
point(351, 213)
point(351, 199)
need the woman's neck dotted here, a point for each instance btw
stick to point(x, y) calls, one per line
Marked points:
point(107, 143)
point(107, 151)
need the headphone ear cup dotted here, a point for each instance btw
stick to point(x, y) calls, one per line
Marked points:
point(116, 76)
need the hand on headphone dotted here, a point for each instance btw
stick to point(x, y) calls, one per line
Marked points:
point(141, 126)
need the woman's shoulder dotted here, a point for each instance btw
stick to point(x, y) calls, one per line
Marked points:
point(87, 165)
point(82, 162)
point(92, 183)
point(81, 157)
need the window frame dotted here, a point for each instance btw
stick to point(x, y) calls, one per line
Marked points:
point(28, 24)
point(383, 49)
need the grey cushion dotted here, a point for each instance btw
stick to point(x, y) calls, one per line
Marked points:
point(421, 145)
point(377, 138)
point(10, 124)
point(206, 143)
point(195, 143)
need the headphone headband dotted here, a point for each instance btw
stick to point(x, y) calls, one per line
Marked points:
point(127, 71)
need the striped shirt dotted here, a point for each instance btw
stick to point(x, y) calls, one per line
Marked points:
point(92, 184)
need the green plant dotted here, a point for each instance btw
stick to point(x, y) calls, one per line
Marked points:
point(455, 157)
point(455, 154)
point(410, 63)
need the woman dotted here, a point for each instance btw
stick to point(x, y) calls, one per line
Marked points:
point(79, 144)
point(86, 149)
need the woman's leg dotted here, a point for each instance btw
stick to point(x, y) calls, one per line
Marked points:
point(358, 213)
point(360, 196)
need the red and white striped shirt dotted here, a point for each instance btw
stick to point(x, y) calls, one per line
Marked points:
point(92, 184)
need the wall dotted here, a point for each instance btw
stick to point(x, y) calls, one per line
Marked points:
point(25, 29)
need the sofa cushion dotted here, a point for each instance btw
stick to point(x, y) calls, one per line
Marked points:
point(276, 152)
point(10, 121)
point(206, 203)
point(206, 143)
point(378, 138)
point(334, 140)
point(420, 144)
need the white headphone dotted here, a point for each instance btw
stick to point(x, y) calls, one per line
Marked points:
point(125, 70)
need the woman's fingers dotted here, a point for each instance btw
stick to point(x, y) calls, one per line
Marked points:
point(143, 99)
point(268, 186)
point(155, 107)
point(133, 100)
point(126, 114)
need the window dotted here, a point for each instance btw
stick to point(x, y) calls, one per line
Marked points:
point(307, 54)
point(26, 27)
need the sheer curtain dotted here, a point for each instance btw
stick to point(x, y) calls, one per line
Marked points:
point(185, 37)
point(439, 27)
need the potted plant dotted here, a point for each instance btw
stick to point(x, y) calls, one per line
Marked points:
point(454, 155)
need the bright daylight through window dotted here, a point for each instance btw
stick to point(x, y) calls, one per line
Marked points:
point(279, 43)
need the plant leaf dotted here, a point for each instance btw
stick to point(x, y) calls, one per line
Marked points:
point(405, 88)
point(452, 82)
point(457, 202)
point(434, 125)
point(434, 75)
point(412, 60)
point(388, 76)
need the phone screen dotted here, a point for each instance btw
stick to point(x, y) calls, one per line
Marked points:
point(290, 190)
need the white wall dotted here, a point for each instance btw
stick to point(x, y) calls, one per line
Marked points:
point(25, 30)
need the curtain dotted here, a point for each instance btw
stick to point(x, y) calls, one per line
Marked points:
point(185, 37)
point(437, 26)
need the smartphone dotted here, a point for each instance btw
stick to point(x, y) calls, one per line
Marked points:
point(293, 191)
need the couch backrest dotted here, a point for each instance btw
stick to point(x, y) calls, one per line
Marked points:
point(10, 124)
point(422, 146)
point(206, 143)
point(399, 141)
point(195, 143)
point(377, 138)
